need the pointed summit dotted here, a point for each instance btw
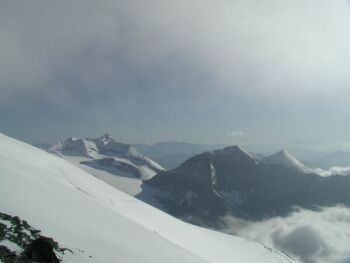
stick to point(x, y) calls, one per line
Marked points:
point(235, 149)
point(284, 158)
point(235, 152)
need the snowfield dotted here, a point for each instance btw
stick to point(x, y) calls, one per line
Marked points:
point(122, 181)
point(101, 224)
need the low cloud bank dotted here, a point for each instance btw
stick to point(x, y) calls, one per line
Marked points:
point(332, 171)
point(310, 236)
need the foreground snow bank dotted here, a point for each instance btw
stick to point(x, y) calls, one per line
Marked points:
point(101, 224)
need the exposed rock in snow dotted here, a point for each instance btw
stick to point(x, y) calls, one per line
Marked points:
point(41, 250)
point(19, 242)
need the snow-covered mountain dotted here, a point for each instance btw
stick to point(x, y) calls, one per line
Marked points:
point(284, 158)
point(105, 153)
point(95, 222)
point(172, 154)
point(232, 181)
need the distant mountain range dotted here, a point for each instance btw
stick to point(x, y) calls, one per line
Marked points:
point(335, 159)
point(233, 181)
point(171, 154)
point(211, 184)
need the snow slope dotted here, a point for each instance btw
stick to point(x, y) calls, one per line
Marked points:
point(122, 181)
point(94, 219)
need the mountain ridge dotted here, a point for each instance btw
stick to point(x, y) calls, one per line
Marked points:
point(231, 181)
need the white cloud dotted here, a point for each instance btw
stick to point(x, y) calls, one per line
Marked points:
point(332, 171)
point(234, 134)
point(312, 236)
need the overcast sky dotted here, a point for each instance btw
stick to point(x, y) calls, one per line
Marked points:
point(187, 70)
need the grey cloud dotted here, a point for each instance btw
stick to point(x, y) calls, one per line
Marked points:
point(303, 241)
point(73, 47)
point(230, 61)
point(295, 48)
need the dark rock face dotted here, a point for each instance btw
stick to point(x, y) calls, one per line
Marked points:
point(230, 181)
point(41, 250)
point(32, 247)
point(6, 255)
